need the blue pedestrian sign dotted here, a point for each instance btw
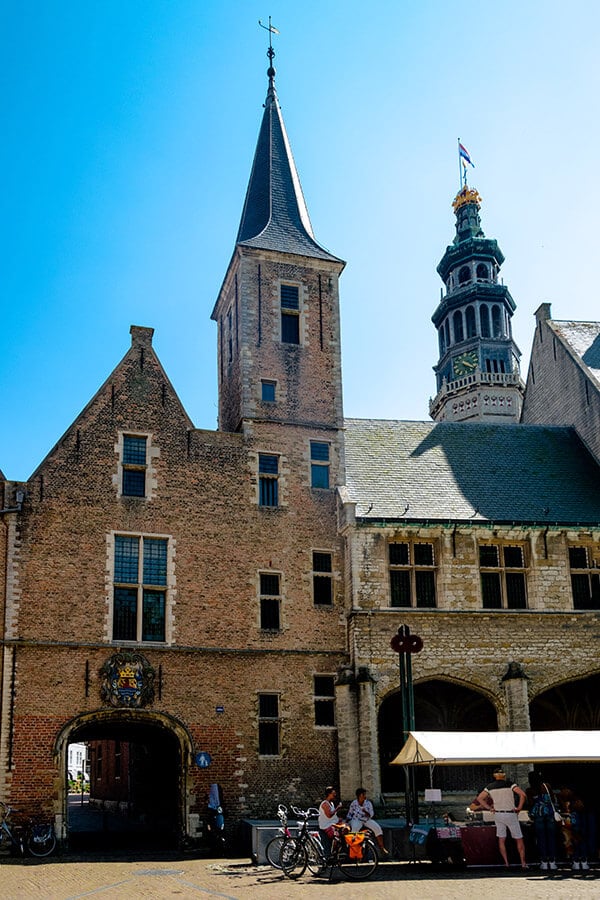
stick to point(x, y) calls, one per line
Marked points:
point(203, 759)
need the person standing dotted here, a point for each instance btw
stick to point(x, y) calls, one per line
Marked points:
point(360, 815)
point(542, 806)
point(572, 809)
point(499, 796)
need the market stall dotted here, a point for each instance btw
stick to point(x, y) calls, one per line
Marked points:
point(454, 748)
point(447, 748)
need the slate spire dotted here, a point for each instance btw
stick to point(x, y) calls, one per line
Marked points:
point(275, 216)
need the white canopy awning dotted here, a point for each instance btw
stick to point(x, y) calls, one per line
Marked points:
point(447, 748)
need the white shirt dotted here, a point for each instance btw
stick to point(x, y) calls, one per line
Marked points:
point(324, 820)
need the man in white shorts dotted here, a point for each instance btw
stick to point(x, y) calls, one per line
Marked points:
point(499, 797)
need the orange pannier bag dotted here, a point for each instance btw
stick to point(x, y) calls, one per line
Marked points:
point(355, 841)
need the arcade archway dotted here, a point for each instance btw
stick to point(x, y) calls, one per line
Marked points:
point(572, 706)
point(439, 706)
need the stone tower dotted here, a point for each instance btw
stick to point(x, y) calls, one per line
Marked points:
point(279, 360)
point(477, 373)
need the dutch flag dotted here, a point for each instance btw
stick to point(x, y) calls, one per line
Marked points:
point(464, 155)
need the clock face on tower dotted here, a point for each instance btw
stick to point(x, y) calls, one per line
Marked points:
point(466, 363)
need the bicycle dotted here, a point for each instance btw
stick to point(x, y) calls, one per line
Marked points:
point(353, 853)
point(275, 845)
point(273, 848)
point(38, 839)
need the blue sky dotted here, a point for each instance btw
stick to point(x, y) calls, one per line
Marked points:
point(129, 128)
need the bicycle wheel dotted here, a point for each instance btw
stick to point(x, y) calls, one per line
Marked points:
point(273, 850)
point(363, 867)
point(315, 856)
point(293, 858)
point(41, 840)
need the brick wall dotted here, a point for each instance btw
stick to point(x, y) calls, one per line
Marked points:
point(203, 498)
point(307, 375)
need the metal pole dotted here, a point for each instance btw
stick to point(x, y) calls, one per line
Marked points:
point(405, 644)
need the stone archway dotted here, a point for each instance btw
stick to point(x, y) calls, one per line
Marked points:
point(137, 787)
point(440, 705)
point(572, 706)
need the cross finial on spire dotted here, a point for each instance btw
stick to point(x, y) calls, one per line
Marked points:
point(270, 53)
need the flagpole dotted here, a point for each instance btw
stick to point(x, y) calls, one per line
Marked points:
point(460, 174)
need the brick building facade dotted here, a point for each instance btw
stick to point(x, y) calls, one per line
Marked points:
point(229, 596)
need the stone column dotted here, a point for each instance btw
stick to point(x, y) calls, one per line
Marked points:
point(369, 744)
point(514, 682)
point(346, 716)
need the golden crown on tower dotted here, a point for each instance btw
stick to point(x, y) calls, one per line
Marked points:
point(466, 195)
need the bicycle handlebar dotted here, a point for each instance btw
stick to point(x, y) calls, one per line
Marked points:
point(305, 813)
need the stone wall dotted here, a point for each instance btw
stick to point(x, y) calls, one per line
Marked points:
point(559, 390)
point(465, 644)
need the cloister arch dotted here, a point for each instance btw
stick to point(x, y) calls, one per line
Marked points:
point(573, 706)
point(440, 705)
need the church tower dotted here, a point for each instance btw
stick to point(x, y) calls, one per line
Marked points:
point(477, 373)
point(279, 360)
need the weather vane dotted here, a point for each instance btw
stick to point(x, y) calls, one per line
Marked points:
point(270, 52)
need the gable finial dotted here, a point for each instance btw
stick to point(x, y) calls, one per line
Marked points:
point(271, 54)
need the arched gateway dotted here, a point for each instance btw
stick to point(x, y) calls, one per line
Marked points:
point(138, 768)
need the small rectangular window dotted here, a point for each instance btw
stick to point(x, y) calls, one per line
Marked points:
point(503, 576)
point(399, 555)
point(268, 479)
point(324, 698)
point(134, 466)
point(319, 464)
point(270, 602)
point(412, 574)
point(578, 558)
point(322, 579)
point(290, 314)
point(267, 391)
point(585, 579)
point(268, 725)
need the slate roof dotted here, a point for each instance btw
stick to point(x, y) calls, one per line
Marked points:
point(438, 471)
point(275, 216)
point(583, 339)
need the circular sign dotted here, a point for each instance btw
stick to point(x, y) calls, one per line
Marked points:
point(203, 759)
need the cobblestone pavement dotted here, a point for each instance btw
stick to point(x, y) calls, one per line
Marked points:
point(71, 878)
